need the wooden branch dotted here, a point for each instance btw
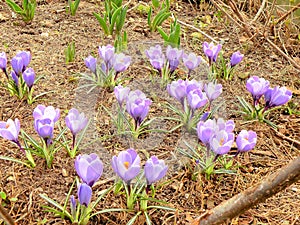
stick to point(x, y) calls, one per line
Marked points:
point(252, 196)
point(6, 217)
point(287, 14)
point(261, 9)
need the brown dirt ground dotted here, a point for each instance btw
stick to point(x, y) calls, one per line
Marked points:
point(190, 198)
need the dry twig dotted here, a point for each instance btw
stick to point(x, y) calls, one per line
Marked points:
point(252, 196)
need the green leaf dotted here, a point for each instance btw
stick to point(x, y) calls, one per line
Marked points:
point(132, 220)
point(52, 202)
point(102, 23)
point(2, 195)
point(121, 21)
point(114, 17)
point(155, 3)
point(163, 34)
point(15, 160)
point(14, 6)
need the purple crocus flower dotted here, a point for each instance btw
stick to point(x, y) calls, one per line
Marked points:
point(246, 140)
point(191, 61)
point(89, 168)
point(228, 125)
point(121, 94)
point(221, 142)
point(236, 58)
point(76, 121)
point(196, 99)
point(10, 130)
point(26, 57)
point(126, 165)
point(277, 96)
point(154, 169)
point(107, 54)
point(3, 63)
point(177, 89)
point(211, 51)
point(41, 112)
point(91, 63)
point(14, 77)
point(29, 76)
point(84, 194)
point(121, 62)
point(73, 205)
point(156, 57)
point(173, 55)
point(205, 130)
point(212, 90)
point(137, 106)
point(193, 84)
point(44, 128)
point(154, 52)
point(17, 65)
point(257, 87)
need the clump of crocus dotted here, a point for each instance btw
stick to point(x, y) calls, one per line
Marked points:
point(138, 105)
point(193, 95)
point(127, 167)
point(76, 122)
point(112, 64)
point(218, 138)
point(273, 97)
point(236, 58)
point(22, 78)
point(166, 64)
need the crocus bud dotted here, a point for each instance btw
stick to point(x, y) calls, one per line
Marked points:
point(177, 89)
point(154, 52)
point(89, 168)
point(73, 204)
point(121, 93)
point(196, 99)
point(211, 51)
point(191, 61)
point(10, 130)
point(221, 142)
point(29, 76)
point(173, 55)
point(3, 61)
point(126, 165)
point(212, 90)
point(84, 194)
point(138, 106)
point(121, 62)
point(76, 121)
point(205, 130)
point(44, 128)
point(14, 77)
point(277, 96)
point(17, 65)
point(155, 169)
point(91, 63)
point(257, 87)
point(246, 140)
point(26, 57)
point(236, 58)
point(107, 54)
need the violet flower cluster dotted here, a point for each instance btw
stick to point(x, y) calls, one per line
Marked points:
point(274, 97)
point(137, 104)
point(193, 95)
point(111, 64)
point(167, 63)
point(22, 76)
point(127, 167)
point(212, 51)
point(218, 137)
